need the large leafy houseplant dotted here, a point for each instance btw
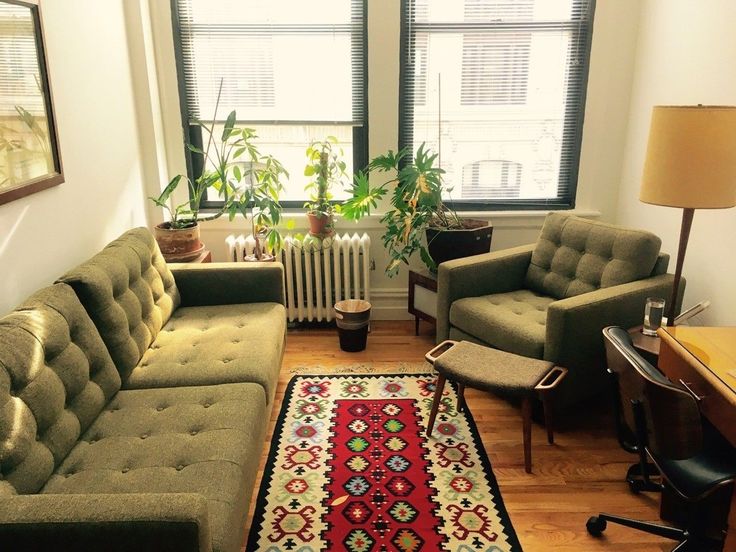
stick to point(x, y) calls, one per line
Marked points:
point(257, 199)
point(417, 208)
point(327, 169)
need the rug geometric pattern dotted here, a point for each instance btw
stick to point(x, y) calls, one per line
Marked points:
point(351, 468)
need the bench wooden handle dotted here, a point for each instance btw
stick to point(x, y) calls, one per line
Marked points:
point(552, 379)
point(447, 344)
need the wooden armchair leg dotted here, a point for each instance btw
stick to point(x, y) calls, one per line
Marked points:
point(526, 413)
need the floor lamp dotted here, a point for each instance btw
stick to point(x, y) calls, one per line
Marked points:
point(690, 164)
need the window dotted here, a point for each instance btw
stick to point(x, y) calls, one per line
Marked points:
point(500, 86)
point(292, 72)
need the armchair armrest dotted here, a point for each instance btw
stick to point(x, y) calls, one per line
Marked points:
point(574, 324)
point(229, 283)
point(496, 272)
point(113, 522)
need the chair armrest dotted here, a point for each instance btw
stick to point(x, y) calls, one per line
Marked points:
point(496, 272)
point(112, 522)
point(574, 325)
point(229, 283)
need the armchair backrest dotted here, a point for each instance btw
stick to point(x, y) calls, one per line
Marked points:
point(56, 376)
point(574, 255)
point(129, 293)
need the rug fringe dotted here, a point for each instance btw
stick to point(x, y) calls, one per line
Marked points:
point(365, 368)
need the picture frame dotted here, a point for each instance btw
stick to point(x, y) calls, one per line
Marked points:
point(29, 148)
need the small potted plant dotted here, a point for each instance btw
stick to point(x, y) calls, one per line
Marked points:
point(257, 199)
point(418, 214)
point(179, 237)
point(327, 169)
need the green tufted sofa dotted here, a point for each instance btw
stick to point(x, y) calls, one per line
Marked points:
point(134, 398)
point(550, 300)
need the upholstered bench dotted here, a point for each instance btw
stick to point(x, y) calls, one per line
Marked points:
point(488, 369)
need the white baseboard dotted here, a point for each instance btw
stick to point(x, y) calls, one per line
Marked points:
point(390, 304)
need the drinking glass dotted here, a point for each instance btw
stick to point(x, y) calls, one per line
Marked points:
point(653, 312)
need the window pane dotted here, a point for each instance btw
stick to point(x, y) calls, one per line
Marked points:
point(288, 144)
point(501, 81)
point(293, 72)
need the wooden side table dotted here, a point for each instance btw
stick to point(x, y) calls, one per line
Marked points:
point(204, 257)
point(422, 297)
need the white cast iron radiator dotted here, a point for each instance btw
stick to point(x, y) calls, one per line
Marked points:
point(318, 273)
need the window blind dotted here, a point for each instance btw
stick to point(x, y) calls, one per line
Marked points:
point(20, 83)
point(497, 87)
point(294, 71)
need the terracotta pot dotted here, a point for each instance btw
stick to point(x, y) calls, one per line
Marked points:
point(320, 226)
point(265, 258)
point(178, 245)
point(444, 244)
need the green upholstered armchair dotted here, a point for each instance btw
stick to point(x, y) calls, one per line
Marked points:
point(550, 300)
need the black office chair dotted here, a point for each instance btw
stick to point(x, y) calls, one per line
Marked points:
point(644, 475)
point(693, 462)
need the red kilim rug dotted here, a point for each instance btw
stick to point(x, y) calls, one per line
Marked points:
point(351, 468)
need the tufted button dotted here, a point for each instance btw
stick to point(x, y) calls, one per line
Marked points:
point(160, 408)
point(179, 467)
point(207, 404)
point(193, 432)
point(144, 436)
point(125, 470)
point(225, 360)
point(235, 341)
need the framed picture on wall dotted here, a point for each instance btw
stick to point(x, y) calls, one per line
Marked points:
point(29, 149)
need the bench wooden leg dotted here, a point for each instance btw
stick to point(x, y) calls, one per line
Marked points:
point(526, 413)
point(548, 420)
point(435, 403)
point(460, 397)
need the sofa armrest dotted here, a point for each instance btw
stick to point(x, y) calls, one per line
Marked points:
point(229, 283)
point(574, 324)
point(496, 272)
point(112, 522)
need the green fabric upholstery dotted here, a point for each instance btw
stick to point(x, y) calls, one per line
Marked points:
point(204, 440)
point(495, 299)
point(574, 255)
point(218, 344)
point(491, 370)
point(143, 522)
point(55, 378)
point(513, 321)
point(229, 283)
point(129, 293)
point(486, 274)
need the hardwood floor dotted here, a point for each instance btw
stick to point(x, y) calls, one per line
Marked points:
point(578, 476)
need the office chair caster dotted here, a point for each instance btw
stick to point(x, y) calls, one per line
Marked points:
point(596, 525)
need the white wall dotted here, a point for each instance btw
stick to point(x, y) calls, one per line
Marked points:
point(686, 50)
point(44, 234)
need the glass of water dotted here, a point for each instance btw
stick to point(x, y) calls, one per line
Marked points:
point(653, 312)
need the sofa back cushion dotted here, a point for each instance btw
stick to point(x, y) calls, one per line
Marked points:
point(574, 255)
point(56, 376)
point(129, 293)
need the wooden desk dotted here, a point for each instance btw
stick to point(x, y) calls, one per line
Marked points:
point(704, 359)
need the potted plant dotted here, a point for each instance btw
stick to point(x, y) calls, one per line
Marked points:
point(418, 214)
point(257, 199)
point(325, 165)
point(179, 237)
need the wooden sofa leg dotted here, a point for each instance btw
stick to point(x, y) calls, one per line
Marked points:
point(460, 397)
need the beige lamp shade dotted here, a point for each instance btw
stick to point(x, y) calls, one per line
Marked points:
point(691, 157)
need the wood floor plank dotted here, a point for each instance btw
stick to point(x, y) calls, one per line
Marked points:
point(579, 476)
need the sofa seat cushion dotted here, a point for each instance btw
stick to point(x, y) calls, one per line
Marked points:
point(513, 321)
point(204, 440)
point(216, 344)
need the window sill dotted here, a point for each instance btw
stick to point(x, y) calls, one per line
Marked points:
point(500, 219)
